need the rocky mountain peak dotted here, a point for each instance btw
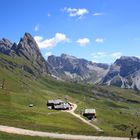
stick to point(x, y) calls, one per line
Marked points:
point(124, 73)
point(28, 49)
point(28, 41)
point(68, 67)
point(66, 56)
point(128, 59)
point(6, 42)
point(5, 46)
point(128, 65)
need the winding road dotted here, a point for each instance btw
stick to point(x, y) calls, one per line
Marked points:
point(82, 119)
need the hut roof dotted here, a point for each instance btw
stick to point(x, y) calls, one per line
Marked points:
point(58, 101)
point(90, 111)
point(62, 106)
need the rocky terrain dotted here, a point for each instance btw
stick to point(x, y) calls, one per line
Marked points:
point(26, 56)
point(71, 68)
point(124, 72)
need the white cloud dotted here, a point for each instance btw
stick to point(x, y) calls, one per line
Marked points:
point(83, 41)
point(94, 61)
point(99, 40)
point(49, 15)
point(104, 56)
point(48, 54)
point(138, 56)
point(38, 38)
point(116, 55)
point(36, 27)
point(99, 55)
point(97, 14)
point(52, 42)
point(76, 12)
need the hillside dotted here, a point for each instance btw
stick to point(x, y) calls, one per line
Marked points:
point(117, 109)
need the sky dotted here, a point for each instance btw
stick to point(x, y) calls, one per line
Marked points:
point(97, 30)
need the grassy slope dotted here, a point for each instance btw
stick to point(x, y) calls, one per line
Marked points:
point(115, 117)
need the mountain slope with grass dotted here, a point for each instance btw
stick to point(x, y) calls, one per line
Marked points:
point(117, 109)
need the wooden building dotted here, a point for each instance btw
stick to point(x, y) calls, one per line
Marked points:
point(58, 105)
point(52, 103)
point(64, 106)
point(90, 113)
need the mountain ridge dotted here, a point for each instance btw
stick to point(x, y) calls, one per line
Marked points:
point(28, 52)
point(26, 56)
point(124, 72)
point(71, 68)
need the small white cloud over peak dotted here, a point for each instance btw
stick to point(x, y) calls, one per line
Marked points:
point(38, 38)
point(99, 55)
point(52, 42)
point(105, 56)
point(94, 61)
point(116, 55)
point(97, 14)
point(76, 12)
point(83, 41)
point(99, 40)
point(138, 56)
point(48, 54)
point(36, 27)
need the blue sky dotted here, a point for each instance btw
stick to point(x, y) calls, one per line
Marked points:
point(97, 30)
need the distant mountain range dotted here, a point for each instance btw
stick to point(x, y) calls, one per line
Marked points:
point(124, 72)
point(68, 67)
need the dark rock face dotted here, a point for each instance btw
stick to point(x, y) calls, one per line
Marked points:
point(28, 47)
point(128, 65)
point(28, 50)
point(71, 68)
point(125, 73)
point(5, 46)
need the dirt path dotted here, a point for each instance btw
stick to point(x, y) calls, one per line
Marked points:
point(82, 119)
point(20, 131)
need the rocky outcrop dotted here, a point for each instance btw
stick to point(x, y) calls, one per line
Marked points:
point(71, 68)
point(28, 51)
point(5, 46)
point(125, 73)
